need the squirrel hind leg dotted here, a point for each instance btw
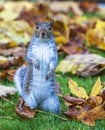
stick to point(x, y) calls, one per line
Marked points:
point(51, 104)
point(18, 78)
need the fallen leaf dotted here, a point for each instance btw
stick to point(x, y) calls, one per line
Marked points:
point(62, 6)
point(10, 10)
point(86, 110)
point(23, 110)
point(3, 59)
point(64, 66)
point(61, 40)
point(96, 88)
point(89, 6)
point(5, 90)
point(96, 35)
point(13, 61)
point(82, 64)
point(72, 112)
point(74, 47)
point(77, 91)
point(86, 118)
point(7, 74)
point(89, 117)
point(16, 52)
point(61, 34)
point(74, 100)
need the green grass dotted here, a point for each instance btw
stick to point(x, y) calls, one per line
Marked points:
point(45, 121)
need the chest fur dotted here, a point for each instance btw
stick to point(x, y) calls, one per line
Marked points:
point(41, 52)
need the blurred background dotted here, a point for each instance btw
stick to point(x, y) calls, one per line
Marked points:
point(78, 29)
point(79, 32)
point(100, 1)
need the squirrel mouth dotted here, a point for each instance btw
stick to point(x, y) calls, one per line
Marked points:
point(43, 35)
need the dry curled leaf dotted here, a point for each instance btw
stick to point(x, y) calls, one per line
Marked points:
point(82, 64)
point(23, 110)
point(74, 100)
point(5, 90)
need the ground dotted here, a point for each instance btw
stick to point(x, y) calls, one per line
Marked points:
point(9, 120)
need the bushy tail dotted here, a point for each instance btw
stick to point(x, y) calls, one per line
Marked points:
point(18, 78)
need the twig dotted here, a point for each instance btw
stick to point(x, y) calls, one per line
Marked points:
point(52, 114)
point(40, 118)
point(60, 95)
point(8, 100)
point(7, 117)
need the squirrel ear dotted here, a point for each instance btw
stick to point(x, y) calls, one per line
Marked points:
point(52, 22)
point(36, 20)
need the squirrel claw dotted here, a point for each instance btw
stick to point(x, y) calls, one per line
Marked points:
point(47, 77)
point(37, 64)
point(49, 74)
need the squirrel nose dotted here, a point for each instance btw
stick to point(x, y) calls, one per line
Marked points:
point(43, 32)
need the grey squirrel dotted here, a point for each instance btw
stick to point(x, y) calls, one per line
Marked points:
point(36, 82)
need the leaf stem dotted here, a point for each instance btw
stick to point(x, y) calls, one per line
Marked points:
point(8, 100)
point(60, 95)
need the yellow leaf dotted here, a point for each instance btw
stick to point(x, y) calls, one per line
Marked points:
point(96, 88)
point(61, 40)
point(63, 67)
point(77, 91)
point(3, 59)
point(96, 35)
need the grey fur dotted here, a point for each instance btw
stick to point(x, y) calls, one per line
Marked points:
point(36, 82)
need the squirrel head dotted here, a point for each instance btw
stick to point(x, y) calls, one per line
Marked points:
point(43, 29)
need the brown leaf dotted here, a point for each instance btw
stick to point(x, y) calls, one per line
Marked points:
point(89, 6)
point(17, 51)
point(76, 30)
point(23, 110)
point(7, 74)
point(75, 47)
point(74, 100)
point(86, 119)
point(39, 10)
point(12, 62)
point(72, 112)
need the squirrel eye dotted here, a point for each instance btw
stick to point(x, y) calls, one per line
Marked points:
point(49, 28)
point(37, 27)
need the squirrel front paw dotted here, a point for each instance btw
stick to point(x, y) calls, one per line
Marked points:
point(49, 74)
point(36, 63)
